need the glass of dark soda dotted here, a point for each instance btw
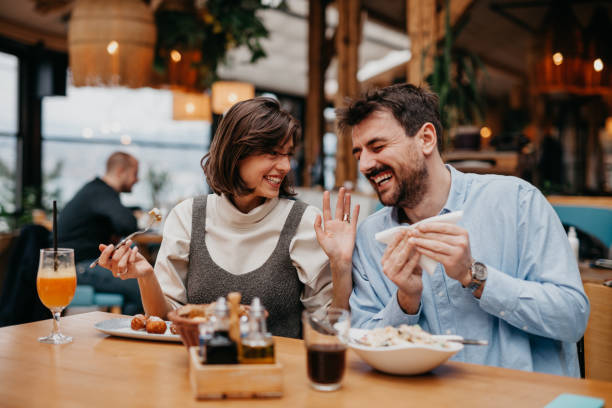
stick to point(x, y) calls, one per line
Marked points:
point(325, 334)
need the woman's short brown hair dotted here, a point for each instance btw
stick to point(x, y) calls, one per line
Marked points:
point(254, 126)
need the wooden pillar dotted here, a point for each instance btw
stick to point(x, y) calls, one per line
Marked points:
point(29, 140)
point(315, 101)
point(425, 28)
point(421, 21)
point(348, 37)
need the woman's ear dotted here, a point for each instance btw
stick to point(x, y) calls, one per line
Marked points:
point(429, 138)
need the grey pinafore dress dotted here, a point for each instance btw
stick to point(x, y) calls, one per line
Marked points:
point(275, 282)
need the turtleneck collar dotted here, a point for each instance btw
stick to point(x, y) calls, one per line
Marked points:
point(233, 216)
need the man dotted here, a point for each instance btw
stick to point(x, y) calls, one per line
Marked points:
point(95, 214)
point(505, 273)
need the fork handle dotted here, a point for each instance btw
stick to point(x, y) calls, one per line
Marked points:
point(123, 241)
point(119, 245)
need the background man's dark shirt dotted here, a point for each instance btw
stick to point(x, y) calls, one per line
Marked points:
point(94, 215)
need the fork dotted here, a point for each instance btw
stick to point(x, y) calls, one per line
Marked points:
point(124, 240)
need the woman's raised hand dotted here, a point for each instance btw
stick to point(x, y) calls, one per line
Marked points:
point(337, 234)
point(125, 262)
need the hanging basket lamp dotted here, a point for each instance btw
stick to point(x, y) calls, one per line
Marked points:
point(226, 94)
point(191, 106)
point(111, 42)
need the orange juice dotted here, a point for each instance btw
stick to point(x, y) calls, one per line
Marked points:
point(56, 289)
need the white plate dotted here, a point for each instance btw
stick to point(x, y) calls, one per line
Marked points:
point(405, 359)
point(122, 327)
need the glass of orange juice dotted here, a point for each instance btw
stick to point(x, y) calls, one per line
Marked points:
point(56, 283)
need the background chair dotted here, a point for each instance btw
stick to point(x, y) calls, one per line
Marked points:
point(598, 335)
point(86, 296)
point(595, 221)
point(19, 302)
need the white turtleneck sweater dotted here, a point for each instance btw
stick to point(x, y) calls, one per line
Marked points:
point(240, 243)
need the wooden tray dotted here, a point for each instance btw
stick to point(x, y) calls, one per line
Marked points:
point(234, 380)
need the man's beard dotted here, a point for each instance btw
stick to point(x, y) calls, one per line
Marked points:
point(412, 186)
point(125, 188)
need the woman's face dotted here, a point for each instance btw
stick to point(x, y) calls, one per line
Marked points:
point(264, 173)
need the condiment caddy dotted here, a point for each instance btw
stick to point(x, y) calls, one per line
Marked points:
point(232, 362)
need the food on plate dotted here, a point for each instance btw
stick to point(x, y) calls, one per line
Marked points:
point(139, 322)
point(202, 312)
point(155, 325)
point(173, 329)
point(392, 336)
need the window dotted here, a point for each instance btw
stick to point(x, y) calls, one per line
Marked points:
point(82, 129)
point(9, 75)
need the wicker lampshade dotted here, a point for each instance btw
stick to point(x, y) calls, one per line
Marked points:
point(111, 42)
point(226, 93)
point(191, 106)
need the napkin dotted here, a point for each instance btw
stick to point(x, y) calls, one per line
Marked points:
point(425, 262)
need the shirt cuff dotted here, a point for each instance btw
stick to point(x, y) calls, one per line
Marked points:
point(500, 294)
point(393, 315)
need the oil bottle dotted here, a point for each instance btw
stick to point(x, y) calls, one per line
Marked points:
point(258, 344)
point(220, 348)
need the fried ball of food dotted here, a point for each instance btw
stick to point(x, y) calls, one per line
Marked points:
point(139, 322)
point(155, 325)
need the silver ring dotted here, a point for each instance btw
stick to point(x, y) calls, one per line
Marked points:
point(346, 218)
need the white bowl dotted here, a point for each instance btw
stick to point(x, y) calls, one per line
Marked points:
point(405, 359)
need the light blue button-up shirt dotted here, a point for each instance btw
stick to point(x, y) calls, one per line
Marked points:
point(533, 308)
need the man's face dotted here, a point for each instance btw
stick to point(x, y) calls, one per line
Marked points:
point(129, 177)
point(392, 161)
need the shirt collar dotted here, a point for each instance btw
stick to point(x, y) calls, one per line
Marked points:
point(458, 190)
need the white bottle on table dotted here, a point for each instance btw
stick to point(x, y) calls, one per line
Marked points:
point(573, 240)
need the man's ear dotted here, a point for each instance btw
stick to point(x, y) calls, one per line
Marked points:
point(429, 138)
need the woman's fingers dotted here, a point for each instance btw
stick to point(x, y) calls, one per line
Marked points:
point(326, 206)
point(355, 217)
point(107, 252)
point(340, 204)
point(318, 228)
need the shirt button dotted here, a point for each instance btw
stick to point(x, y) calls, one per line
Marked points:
point(441, 293)
point(448, 331)
point(525, 328)
point(502, 313)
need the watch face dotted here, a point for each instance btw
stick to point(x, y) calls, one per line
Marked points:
point(479, 271)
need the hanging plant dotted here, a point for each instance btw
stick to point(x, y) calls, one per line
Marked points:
point(194, 37)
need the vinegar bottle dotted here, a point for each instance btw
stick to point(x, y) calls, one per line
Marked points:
point(258, 345)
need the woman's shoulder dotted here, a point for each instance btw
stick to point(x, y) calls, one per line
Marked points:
point(310, 211)
point(183, 206)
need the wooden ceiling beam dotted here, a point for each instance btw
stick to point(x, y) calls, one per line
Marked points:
point(28, 35)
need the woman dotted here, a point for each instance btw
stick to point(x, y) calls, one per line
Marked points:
point(249, 236)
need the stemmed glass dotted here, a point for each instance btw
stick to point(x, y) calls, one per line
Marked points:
point(56, 283)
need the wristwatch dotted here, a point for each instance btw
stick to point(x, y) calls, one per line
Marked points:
point(479, 276)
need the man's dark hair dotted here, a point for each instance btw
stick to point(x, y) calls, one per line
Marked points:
point(254, 126)
point(411, 106)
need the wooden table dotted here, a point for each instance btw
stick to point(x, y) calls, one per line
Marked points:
point(100, 371)
point(593, 275)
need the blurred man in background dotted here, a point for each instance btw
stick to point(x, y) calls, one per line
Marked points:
point(95, 214)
